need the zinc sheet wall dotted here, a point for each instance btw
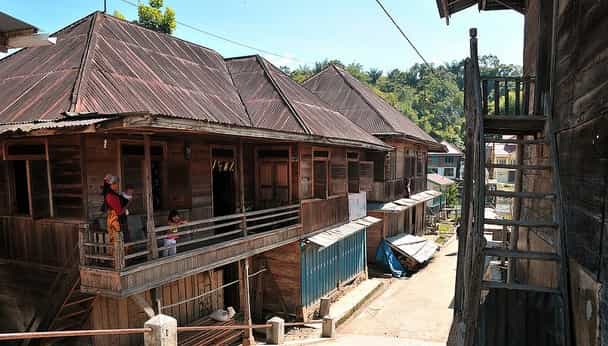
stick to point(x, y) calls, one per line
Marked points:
point(323, 269)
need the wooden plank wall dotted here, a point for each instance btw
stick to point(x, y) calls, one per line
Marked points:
point(48, 242)
point(338, 179)
point(124, 313)
point(317, 214)
point(110, 313)
point(374, 236)
point(190, 287)
point(66, 176)
point(100, 161)
point(200, 171)
point(282, 280)
point(5, 207)
point(305, 171)
point(178, 176)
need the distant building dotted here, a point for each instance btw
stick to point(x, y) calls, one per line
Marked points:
point(449, 164)
point(438, 183)
point(502, 154)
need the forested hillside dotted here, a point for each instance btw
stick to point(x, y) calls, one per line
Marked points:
point(430, 96)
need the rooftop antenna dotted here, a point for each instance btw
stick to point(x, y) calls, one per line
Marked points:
point(104, 6)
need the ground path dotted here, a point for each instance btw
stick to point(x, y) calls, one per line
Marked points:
point(410, 312)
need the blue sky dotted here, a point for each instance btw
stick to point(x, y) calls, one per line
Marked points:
point(311, 30)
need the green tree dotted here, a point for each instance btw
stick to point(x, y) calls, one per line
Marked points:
point(373, 75)
point(451, 196)
point(119, 15)
point(153, 17)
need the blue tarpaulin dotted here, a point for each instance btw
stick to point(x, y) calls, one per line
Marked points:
point(386, 257)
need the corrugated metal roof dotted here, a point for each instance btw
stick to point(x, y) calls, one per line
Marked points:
point(326, 238)
point(361, 105)
point(439, 179)
point(418, 248)
point(276, 101)
point(48, 124)
point(105, 65)
point(9, 24)
point(405, 203)
point(108, 66)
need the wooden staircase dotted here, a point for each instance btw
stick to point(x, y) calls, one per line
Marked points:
point(67, 308)
point(481, 263)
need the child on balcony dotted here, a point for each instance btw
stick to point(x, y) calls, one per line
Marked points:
point(171, 240)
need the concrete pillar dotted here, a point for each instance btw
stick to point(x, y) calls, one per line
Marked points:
point(275, 335)
point(328, 329)
point(164, 331)
point(324, 307)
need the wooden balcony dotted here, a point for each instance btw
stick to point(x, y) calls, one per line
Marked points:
point(388, 190)
point(122, 269)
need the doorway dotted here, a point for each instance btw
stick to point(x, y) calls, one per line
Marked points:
point(223, 189)
point(22, 195)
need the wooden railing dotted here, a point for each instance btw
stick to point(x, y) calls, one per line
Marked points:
point(96, 249)
point(506, 95)
point(388, 190)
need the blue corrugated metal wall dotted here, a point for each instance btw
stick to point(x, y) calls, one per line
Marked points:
point(322, 269)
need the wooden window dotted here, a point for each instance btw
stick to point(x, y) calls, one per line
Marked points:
point(320, 178)
point(420, 164)
point(366, 175)
point(353, 176)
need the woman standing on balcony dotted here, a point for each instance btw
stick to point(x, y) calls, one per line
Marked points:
point(113, 208)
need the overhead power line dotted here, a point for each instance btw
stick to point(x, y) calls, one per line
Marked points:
point(226, 39)
point(403, 33)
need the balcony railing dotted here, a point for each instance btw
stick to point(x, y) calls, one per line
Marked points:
point(506, 95)
point(97, 250)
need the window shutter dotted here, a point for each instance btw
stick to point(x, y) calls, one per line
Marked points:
point(366, 175)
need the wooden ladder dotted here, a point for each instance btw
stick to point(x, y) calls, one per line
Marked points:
point(522, 130)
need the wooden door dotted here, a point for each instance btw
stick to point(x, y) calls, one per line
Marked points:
point(274, 183)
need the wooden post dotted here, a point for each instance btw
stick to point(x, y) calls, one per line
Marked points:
point(242, 186)
point(519, 179)
point(152, 245)
point(81, 240)
point(29, 187)
point(48, 177)
point(245, 301)
point(119, 252)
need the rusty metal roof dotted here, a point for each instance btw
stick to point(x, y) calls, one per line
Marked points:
point(11, 24)
point(106, 66)
point(360, 104)
point(109, 66)
point(276, 101)
point(448, 7)
point(49, 124)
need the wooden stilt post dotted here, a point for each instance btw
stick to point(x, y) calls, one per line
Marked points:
point(242, 186)
point(245, 301)
point(148, 200)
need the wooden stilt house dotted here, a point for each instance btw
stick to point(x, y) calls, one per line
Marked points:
point(250, 159)
point(399, 175)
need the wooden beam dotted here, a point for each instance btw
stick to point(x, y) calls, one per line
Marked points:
point(515, 194)
point(140, 301)
point(518, 166)
point(533, 255)
point(525, 223)
point(29, 186)
point(48, 177)
point(245, 300)
point(521, 287)
point(242, 185)
point(152, 245)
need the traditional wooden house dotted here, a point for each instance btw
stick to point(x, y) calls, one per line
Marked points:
point(254, 162)
point(400, 175)
point(553, 292)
